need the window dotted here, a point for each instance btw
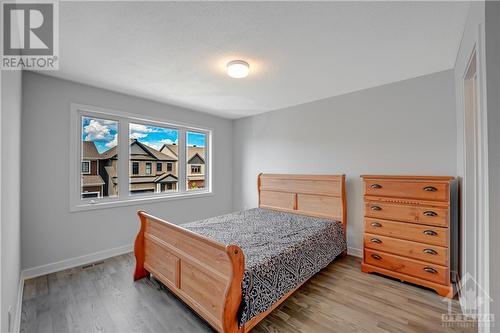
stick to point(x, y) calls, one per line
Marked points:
point(135, 168)
point(165, 160)
point(86, 167)
point(99, 157)
point(90, 195)
point(148, 169)
point(195, 160)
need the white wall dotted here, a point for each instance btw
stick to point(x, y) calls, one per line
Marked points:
point(10, 193)
point(50, 232)
point(492, 34)
point(406, 127)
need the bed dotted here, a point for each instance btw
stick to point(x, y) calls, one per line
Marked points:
point(234, 269)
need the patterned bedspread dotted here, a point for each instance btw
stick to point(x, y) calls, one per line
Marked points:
point(282, 250)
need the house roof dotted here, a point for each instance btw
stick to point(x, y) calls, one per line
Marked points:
point(108, 154)
point(89, 151)
point(172, 148)
point(150, 154)
point(92, 180)
point(155, 154)
point(192, 151)
point(166, 178)
point(139, 179)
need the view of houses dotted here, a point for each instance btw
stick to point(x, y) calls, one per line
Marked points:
point(151, 170)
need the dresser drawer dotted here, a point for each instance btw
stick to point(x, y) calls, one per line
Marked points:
point(409, 231)
point(410, 213)
point(408, 189)
point(419, 269)
point(429, 253)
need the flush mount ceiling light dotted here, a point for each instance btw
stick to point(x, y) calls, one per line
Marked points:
point(238, 69)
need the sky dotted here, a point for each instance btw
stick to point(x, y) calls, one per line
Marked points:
point(104, 134)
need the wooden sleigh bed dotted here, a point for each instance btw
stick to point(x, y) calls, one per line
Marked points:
point(207, 275)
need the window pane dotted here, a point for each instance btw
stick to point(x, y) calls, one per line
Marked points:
point(153, 159)
point(196, 157)
point(99, 158)
point(86, 167)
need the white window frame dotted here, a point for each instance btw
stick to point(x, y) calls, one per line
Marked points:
point(90, 166)
point(124, 197)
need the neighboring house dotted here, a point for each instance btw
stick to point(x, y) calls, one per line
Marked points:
point(195, 164)
point(108, 166)
point(150, 170)
point(92, 182)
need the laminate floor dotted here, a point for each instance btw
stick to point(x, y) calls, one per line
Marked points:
point(103, 298)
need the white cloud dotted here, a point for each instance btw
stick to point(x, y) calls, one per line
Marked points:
point(168, 141)
point(96, 131)
point(155, 145)
point(159, 144)
point(141, 128)
point(113, 142)
point(137, 135)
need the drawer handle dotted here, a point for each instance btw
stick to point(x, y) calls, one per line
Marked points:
point(430, 251)
point(375, 208)
point(376, 224)
point(430, 213)
point(430, 233)
point(376, 257)
point(376, 186)
point(430, 270)
point(375, 240)
point(430, 189)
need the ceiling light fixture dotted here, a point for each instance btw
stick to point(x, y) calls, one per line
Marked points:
point(238, 69)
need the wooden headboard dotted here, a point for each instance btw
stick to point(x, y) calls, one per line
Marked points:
point(312, 195)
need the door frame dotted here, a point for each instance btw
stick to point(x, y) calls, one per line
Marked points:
point(481, 239)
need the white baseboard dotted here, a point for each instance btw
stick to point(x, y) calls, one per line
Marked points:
point(355, 252)
point(74, 262)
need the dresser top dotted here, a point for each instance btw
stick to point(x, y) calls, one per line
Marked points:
point(408, 177)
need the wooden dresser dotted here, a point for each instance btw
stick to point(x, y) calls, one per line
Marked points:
point(410, 229)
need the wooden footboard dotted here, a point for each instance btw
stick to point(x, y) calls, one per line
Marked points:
point(205, 274)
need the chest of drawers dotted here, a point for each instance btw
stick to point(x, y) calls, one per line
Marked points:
point(411, 229)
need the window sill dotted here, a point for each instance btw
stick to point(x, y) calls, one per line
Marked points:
point(138, 200)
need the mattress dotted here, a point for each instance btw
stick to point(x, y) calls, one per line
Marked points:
point(282, 250)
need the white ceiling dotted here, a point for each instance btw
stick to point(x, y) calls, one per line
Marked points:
point(298, 51)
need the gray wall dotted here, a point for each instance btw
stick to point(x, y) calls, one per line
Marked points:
point(492, 34)
point(50, 232)
point(10, 129)
point(407, 127)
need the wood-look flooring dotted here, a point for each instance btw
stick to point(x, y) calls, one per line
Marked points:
point(103, 298)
